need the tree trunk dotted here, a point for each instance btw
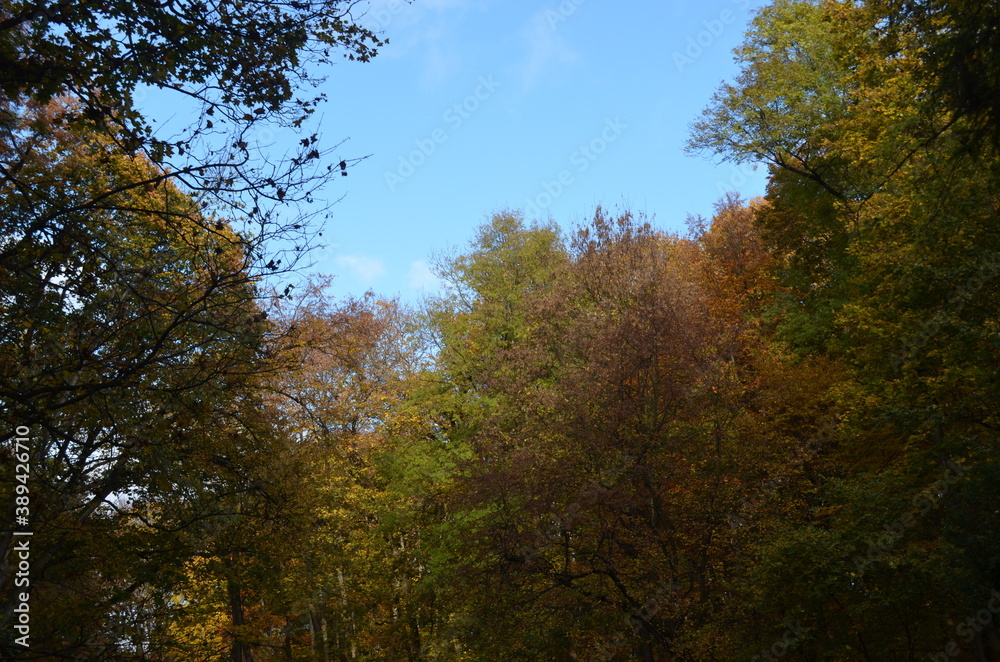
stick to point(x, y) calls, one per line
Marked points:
point(317, 621)
point(240, 651)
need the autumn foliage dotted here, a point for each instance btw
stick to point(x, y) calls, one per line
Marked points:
point(773, 435)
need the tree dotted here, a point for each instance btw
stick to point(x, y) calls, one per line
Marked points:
point(791, 91)
point(240, 65)
point(132, 333)
point(876, 246)
point(352, 584)
point(623, 409)
point(133, 323)
point(959, 53)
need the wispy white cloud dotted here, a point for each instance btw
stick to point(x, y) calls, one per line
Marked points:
point(408, 24)
point(546, 49)
point(424, 31)
point(361, 267)
point(420, 277)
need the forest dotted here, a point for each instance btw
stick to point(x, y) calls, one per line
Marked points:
point(774, 435)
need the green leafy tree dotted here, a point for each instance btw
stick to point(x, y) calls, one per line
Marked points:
point(132, 333)
point(877, 244)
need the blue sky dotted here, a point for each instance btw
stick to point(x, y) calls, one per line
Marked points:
point(551, 108)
